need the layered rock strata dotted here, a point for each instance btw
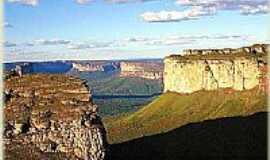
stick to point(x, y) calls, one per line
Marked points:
point(147, 70)
point(93, 66)
point(54, 113)
point(239, 69)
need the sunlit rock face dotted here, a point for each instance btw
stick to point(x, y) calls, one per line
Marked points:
point(239, 69)
point(93, 66)
point(147, 70)
point(55, 114)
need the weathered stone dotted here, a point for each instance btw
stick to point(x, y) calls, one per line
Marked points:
point(49, 124)
point(239, 71)
point(147, 70)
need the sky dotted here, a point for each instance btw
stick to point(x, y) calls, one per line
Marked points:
point(44, 30)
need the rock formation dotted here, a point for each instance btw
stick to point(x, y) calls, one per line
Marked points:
point(55, 114)
point(147, 70)
point(58, 67)
point(92, 66)
point(210, 69)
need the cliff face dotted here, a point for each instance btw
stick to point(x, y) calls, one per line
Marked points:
point(95, 66)
point(54, 113)
point(239, 69)
point(147, 70)
point(58, 67)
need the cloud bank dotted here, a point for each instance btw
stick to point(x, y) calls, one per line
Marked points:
point(7, 25)
point(176, 16)
point(82, 2)
point(25, 2)
point(201, 8)
point(51, 42)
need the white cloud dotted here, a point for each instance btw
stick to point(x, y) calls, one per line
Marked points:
point(9, 44)
point(83, 2)
point(25, 2)
point(80, 46)
point(176, 16)
point(244, 6)
point(136, 39)
point(8, 25)
point(51, 42)
point(251, 10)
point(199, 8)
point(187, 39)
point(128, 1)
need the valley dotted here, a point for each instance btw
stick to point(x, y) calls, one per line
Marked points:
point(113, 93)
point(144, 103)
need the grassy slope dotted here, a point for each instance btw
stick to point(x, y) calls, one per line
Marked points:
point(126, 86)
point(172, 110)
point(123, 86)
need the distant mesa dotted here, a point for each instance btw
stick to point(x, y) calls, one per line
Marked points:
point(148, 70)
point(210, 69)
point(93, 66)
point(54, 67)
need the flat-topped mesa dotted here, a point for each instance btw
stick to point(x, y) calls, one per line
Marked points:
point(238, 69)
point(92, 66)
point(87, 67)
point(147, 70)
point(252, 50)
point(55, 113)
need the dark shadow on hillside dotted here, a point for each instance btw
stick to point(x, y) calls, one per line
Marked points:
point(228, 138)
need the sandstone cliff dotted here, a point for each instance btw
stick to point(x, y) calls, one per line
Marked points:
point(92, 66)
point(53, 113)
point(210, 69)
point(147, 70)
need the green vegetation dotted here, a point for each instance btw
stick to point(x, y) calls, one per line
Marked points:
point(172, 110)
point(102, 83)
point(126, 86)
point(112, 107)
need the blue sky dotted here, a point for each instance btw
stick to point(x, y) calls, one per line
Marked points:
point(39, 30)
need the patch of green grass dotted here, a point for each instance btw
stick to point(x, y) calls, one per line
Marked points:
point(172, 110)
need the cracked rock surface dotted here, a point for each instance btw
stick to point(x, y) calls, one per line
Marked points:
point(51, 117)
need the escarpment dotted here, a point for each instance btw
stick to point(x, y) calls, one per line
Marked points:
point(92, 66)
point(147, 70)
point(53, 114)
point(211, 69)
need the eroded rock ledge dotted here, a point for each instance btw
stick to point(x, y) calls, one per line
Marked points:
point(54, 113)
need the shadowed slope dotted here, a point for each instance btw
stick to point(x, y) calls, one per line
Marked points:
point(226, 138)
point(172, 110)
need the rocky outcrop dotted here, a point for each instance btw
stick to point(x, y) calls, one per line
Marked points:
point(147, 70)
point(254, 49)
point(54, 113)
point(239, 69)
point(93, 66)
